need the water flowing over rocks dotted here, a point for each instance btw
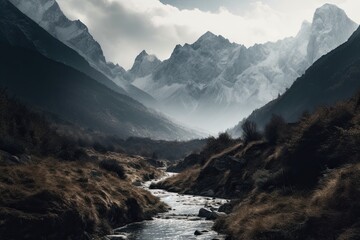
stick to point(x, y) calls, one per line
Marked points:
point(182, 221)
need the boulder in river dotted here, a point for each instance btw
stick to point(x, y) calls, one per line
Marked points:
point(197, 233)
point(210, 215)
point(226, 208)
point(215, 215)
point(205, 213)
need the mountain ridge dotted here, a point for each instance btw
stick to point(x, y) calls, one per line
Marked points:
point(37, 79)
point(234, 79)
point(76, 35)
point(322, 84)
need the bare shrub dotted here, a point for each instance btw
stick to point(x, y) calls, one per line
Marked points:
point(275, 129)
point(250, 131)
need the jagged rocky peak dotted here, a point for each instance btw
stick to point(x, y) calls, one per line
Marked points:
point(209, 39)
point(330, 28)
point(328, 10)
point(141, 56)
point(34, 9)
point(330, 17)
point(207, 36)
point(144, 56)
point(75, 34)
point(144, 64)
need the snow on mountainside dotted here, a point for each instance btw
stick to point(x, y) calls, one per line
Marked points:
point(75, 34)
point(213, 83)
point(144, 64)
point(331, 27)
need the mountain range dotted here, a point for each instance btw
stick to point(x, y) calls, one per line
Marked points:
point(213, 82)
point(43, 72)
point(210, 84)
point(332, 78)
point(75, 34)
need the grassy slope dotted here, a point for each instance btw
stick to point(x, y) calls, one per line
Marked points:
point(305, 187)
point(68, 200)
point(51, 188)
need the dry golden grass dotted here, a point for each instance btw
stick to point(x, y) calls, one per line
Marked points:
point(57, 200)
point(329, 212)
point(136, 167)
point(305, 187)
point(181, 182)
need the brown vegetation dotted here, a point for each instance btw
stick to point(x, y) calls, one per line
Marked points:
point(250, 131)
point(213, 145)
point(301, 182)
point(51, 187)
point(68, 200)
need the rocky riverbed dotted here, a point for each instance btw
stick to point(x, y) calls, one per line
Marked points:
point(182, 221)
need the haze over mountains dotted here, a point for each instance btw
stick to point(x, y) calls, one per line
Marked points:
point(332, 78)
point(211, 82)
point(75, 34)
point(46, 74)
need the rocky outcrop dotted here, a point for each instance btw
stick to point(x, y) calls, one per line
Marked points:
point(210, 214)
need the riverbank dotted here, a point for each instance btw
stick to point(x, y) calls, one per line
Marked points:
point(51, 199)
point(299, 181)
point(180, 222)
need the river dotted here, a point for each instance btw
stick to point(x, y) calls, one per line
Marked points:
point(179, 223)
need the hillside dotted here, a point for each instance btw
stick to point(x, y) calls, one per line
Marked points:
point(52, 86)
point(302, 184)
point(52, 188)
point(19, 30)
point(76, 36)
point(333, 77)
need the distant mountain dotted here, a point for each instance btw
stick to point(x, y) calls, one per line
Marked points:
point(334, 77)
point(75, 34)
point(144, 65)
point(28, 71)
point(212, 82)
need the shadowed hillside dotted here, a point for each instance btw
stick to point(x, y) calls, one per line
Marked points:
point(332, 78)
point(53, 86)
point(301, 184)
point(52, 188)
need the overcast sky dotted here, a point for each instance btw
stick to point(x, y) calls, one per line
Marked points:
point(126, 27)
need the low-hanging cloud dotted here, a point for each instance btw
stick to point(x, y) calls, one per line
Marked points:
point(126, 27)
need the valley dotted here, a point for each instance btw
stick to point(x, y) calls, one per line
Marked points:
point(180, 222)
point(220, 140)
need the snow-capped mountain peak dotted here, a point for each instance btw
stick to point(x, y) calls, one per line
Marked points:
point(328, 10)
point(141, 56)
point(144, 56)
point(144, 64)
point(207, 36)
point(214, 81)
point(330, 28)
point(75, 34)
point(210, 40)
point(35, 9)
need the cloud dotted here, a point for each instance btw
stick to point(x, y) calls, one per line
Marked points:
point(234, 6)
point(126, 27)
